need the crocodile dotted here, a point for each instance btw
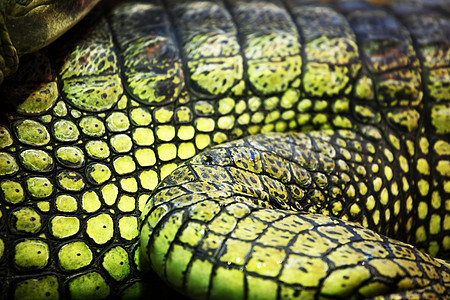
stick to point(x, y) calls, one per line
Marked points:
point(231, 149)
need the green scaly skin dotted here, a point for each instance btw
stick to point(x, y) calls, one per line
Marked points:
point(104, 172)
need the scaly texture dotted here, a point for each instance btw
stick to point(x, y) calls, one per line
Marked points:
point(103, 116)
point(251, 219)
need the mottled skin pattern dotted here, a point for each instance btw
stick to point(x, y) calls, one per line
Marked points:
point(103, 173)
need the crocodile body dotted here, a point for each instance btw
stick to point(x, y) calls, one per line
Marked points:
point(106, 166)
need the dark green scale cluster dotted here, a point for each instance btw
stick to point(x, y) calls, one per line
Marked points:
point(99, 119)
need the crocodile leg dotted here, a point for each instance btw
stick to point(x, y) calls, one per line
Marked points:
point(253, 219)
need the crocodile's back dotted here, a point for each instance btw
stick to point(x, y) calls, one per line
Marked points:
point(104, 115)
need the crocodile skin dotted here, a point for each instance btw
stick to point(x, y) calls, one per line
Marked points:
point(120, 155)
